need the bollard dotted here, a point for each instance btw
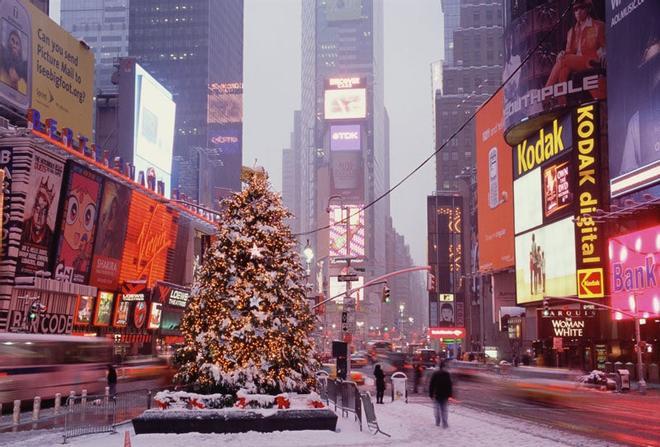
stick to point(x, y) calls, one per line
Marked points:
point(149, 400)
point(106, 395)
point(83, 397)
point(72, 398)
point(58, 402)
point(36, 408)
point(609, 367)
point(654, 376)
point(16, 417)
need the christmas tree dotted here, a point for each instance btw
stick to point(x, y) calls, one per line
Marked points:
point(247, 324)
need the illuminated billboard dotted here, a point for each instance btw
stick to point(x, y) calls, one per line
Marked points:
point(347, 231)
point(342, 10)
point(111, 229)
point(633, 88)
point(225, 103)
point(345, 137)
point(42, 199)
point(495, 197)
point(78, 224)
point(345, 98)
point(568, 68)
point(558, 187)
point(103, 309)
point(545, 262)
point(150, 237)
point(634, 273)
point(528, 206)
point(153, 129)
point(45, 68)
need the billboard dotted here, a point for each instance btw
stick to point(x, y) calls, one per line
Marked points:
point(225, 103)
point(528, 201)
point(78, 224)
point(347, 231)
point(103, 309)
point(346, 174)
point(545, 262)
point(42, 197)
point(634, 273)
point(153, 127)
point(568, 67)
point(345, 104)
point(225, 143)
point(111, 229)
point(558, 187)
point(345, 137)
point(633, 41)
point(84, 310)
point(345, 98)
point(150, 236)
point(44, 67)
point(567, 323)
point(495, 197)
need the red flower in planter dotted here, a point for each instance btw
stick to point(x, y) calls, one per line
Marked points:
point(162, 405)
point(282, 402)
point(316, 404)
point(194, 403)
point(241, 403)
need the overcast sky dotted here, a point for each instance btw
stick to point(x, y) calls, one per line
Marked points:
point(413, 39)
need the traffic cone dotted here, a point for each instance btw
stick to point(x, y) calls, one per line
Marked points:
point(127, 439)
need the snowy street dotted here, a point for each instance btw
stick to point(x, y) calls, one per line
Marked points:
point(409, 424)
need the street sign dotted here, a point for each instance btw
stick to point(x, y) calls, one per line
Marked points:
point(347, 278)
point(558, 343)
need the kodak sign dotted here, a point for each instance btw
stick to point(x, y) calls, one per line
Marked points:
point(550, 142)
point(588, 233)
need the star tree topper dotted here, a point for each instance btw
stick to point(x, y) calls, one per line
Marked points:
point(255, 252)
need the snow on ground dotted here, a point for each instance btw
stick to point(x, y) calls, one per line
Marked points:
point(409, 424)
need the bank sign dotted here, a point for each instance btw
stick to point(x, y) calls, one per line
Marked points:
point(634, 275)
point(568, 323)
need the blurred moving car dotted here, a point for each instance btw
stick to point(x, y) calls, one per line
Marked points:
point(401, 361)
point(145, 368)
point(331, 369)
point(358, 361)
point(427, 357)
point(357, 377)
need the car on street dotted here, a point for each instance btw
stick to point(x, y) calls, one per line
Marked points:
point(358, 361)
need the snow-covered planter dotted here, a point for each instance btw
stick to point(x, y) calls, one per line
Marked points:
point(182, 400)
point(597, 379)
point(183, 412)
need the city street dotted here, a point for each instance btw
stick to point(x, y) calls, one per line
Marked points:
point(626, 418)
point(408, 424)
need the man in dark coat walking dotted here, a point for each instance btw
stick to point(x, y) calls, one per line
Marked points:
point(440, 391)
point(380, 384)
point(112, 380)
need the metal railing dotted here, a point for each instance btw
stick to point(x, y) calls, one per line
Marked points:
point(85, 415)
point(99, 414)
point(342, 394)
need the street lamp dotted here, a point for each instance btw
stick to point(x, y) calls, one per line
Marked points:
point(308, 253)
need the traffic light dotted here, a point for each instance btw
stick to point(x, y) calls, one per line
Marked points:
point(35, 309)
point(430, 282)
point(386, 294)
point(546, 308)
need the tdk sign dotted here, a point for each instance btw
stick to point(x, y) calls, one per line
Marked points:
point(345, 137)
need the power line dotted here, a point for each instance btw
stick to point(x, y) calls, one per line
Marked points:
point(458, 131)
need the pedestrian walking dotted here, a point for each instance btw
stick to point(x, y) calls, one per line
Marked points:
point(380, 383)
point(419, 370)
point(440, 391)
point(112, 380)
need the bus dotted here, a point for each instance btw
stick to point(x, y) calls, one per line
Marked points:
point(44, 365)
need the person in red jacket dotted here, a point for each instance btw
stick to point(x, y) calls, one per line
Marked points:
point(585, 45)
point(440, 391)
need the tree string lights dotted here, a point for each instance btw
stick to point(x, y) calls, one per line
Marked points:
point(247, 324)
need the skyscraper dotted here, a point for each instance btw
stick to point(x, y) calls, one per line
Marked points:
point(195, 49)
point(472, 70)
point(344, 152)
point(103, 25)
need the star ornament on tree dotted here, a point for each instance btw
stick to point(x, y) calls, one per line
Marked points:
point(255, 252)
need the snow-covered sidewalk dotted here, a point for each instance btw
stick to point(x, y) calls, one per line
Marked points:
point(409, 424)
